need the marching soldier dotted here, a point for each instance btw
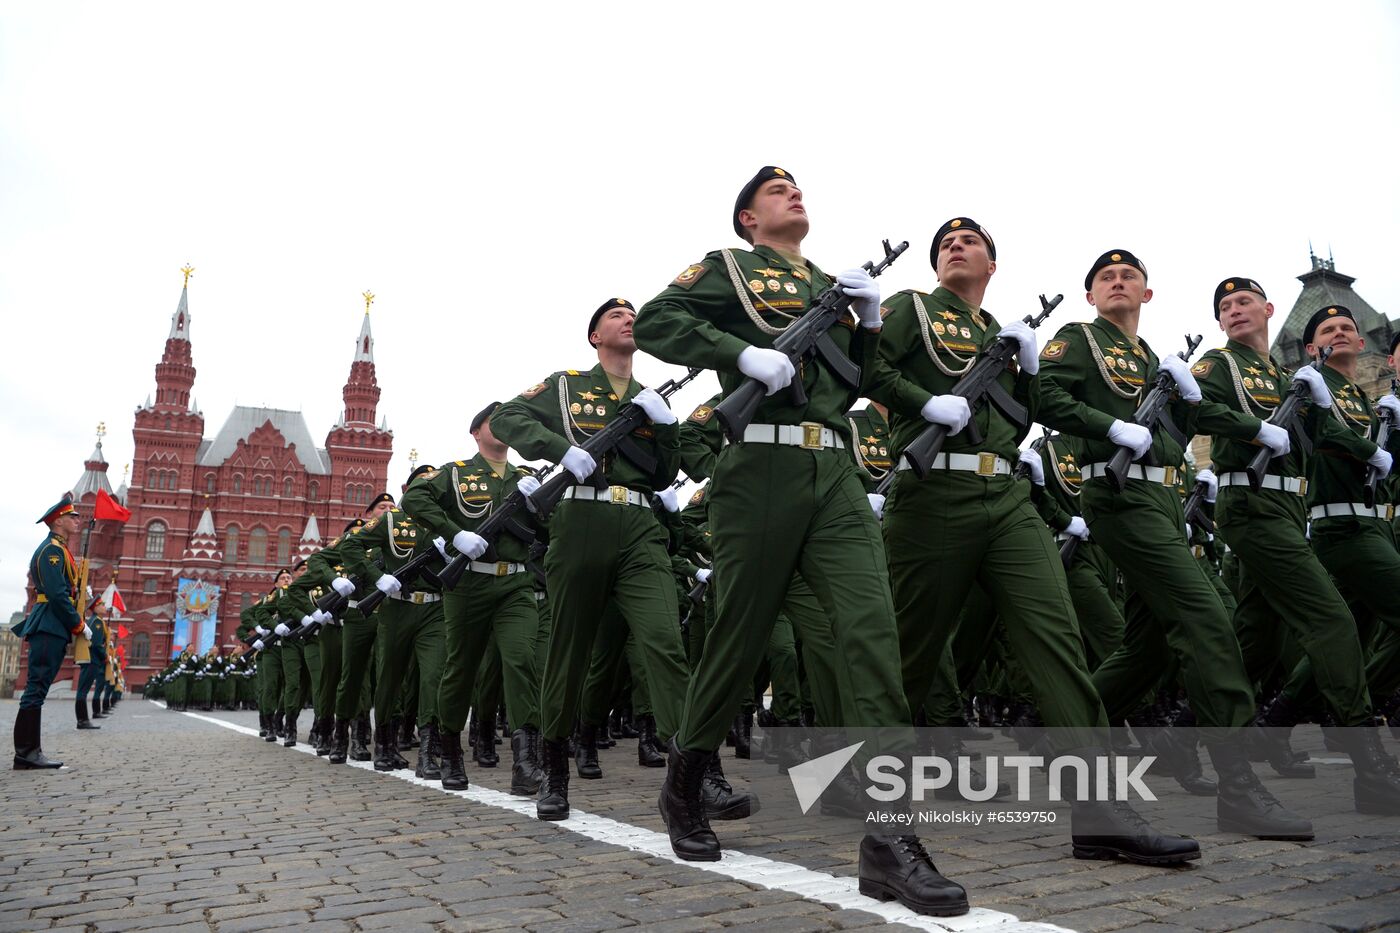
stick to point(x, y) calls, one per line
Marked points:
point(48, 627)
point(296, 655)
point(361, 649)
point(493, 597)
point(1171, 605)
point(92, 670)
point(787, 498)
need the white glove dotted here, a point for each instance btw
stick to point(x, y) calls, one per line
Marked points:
point(877, 505)
point(1032, 461)
point(1307, 531)
point(1029, 354)
point(670, 498)
point(344, 586)
point(1077, 528)
point(1275, 438)
point(258, 645)
point(1381, 460)
point(441, 544)
point(1389, 404)
point(87, 631)
point(864, 294)
point(1212, 484)
point(655, 407)
point(527, 486)
point(1317, 386)
point(951, 411)
point(1176, 367)
point(388, 584)
point(580, 462)
point(469, 543)
point(282, 629)
point(703, 575)
point(306, 621)
point(1187, 526)
point(260, 630)
point(321, 615)
point(1132, 436)
point(769, 367)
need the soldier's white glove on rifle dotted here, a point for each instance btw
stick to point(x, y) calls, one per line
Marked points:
point(1077, 528)
point(441, 544)
point(260, 630)
point(306, 621)
point(703, 575)
point(1029, 354)
point(1176, 367)
point(258, 644)
point(670, 499)
point(321, 615)
point(1212, 484)
point(1389, 404)
point(651, 402)
point(579, 462)
point(1275, 438)
point(1381, 460)
point(527, 486)
point(769, 367)
point(1317, 386)
point(1132, 436)
point(341, 585)
point(87, 631)
point(877, 505)
point(388, 584)
point(951, 411)
point(1032, 461)
point(282, 629)
point(469, 543)
point(858, 286)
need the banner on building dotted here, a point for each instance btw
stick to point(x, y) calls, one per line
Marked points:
point(196, 616)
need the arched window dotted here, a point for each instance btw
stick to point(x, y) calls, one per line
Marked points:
point(151, 479)
point(287, 488)
point(140, 649)
point(155, 540)
point(209, 483)
point(284, 547)
point(231, 544)
point(313, 490)
point(257, 546)
point(238, 484)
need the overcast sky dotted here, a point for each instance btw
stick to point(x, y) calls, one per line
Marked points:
point(493, 174)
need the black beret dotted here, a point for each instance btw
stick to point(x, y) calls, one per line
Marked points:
point(1112, 258)
point(299, 564)
point(1234, 284)
point(418, 471)
point(1322, 315)
point(382, 497)
point(960, 223)
point(482, 415)
point(747, 192)
point(357, 523)
point(1393, 341)
point(603, 309)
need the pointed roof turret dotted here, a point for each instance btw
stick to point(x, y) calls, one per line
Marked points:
point(1323, 285)
point(94, 470)
point(180, 320)
point(364, 345)
point(204, 542)
point(310, 539)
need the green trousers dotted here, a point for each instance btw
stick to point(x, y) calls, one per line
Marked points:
point(607, 681)
point(776, 511)
point(1093, 581)
point(331, 639)
point(826, 686)
point(358, 669)
point(296, 675)
point(487, 691)
point(480, 606)
point(1171, 607)
point(1283, 580)
point(602, 553)
point(270, 670)
point(409, 633)
point(988, 534)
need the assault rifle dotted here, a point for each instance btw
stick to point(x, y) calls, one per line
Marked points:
point(978, 386)
point(1373, 474)
point(502, 518)
point(1286, 417)
point(808, 336)
point(1068, 548)
point(1151, 412)
point(1195, 508)
point(615, 435)
point(406, 574)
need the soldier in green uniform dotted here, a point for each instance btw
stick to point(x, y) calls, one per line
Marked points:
point(296, 674)
point(48, 627)
point(786, 498)
point(360, 650)
point(270, 656)
point(91, 671)
point(606, 547)
point(1171, 606)
point(493, 597)
point(410, 623)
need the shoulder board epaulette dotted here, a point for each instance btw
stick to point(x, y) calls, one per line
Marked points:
point(572, 372)
point(460, 462)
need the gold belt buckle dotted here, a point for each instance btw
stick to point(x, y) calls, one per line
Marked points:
point(1302, 487)
point(418, 598)
point(502, 568)
point(1390, 512)
point(1169, 476)
point(986, 464)
point(1198, 550)
point(811, 435)
point(619, 494)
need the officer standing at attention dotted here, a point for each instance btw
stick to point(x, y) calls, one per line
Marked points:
point(48, 628)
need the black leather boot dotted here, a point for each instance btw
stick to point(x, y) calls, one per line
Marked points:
point(586, 758)
point(340, 742)
point(743, 735)
point(322, 743)
point(720, 800)
point(429, 753)
point(626, 728)
point(606, 737)
point(454, 766)
point(97, 709)
point(897, 868)
point(946, 744)
point(391, 741)
point(683, 808)
point(647, 754)
point(484, 752)
point(278, 725)
point(383, 750)
point(1376, 787)
point(407, 737)
point(360, 742)
point(525, 774)
point(291, 726)
point(553, 802)
point(262, 724)
point(1270, 740)
point(1108, 829)
point(80, 707)
point(106, 705)
point(28, 753)
point(1243, 805)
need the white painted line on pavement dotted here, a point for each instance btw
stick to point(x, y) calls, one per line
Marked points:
point(739, 866)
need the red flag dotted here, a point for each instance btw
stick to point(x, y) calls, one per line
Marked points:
point(121, 653)
point(113, 599)
point(122, 631)
point(108, 508)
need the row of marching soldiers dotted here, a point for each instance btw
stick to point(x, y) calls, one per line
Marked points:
point(898, 590)
point(207, 682)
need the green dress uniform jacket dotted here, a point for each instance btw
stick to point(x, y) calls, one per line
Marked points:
point(54, 575)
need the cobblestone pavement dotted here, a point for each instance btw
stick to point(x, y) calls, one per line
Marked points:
point(172, 822)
